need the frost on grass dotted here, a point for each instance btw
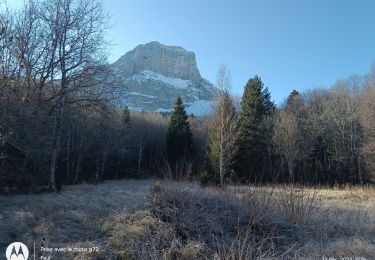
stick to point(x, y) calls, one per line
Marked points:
point(179, 220)
point(189, 223)
point(183, 221)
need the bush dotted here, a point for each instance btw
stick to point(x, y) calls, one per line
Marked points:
point(184, 222)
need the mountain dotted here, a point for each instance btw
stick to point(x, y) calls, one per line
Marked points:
point(152, 75)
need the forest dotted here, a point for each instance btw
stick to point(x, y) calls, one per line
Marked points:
point(60, 121)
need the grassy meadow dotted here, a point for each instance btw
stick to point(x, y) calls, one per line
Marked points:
point(150, 219)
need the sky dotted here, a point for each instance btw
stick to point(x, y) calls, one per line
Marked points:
point(290, 44)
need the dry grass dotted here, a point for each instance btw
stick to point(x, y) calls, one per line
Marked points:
point(176, 220)
point(183, 221)
point(327, 222)
point(71, 218)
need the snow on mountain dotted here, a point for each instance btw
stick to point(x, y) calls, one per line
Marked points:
point(138, 94)
point(153, 75)
point(201, 108)
point(148, 75)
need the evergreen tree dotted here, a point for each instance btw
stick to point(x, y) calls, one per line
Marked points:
point(256, 105)
point(293, 94)
point(179, 135)
point(126, 116)
point(294, 102)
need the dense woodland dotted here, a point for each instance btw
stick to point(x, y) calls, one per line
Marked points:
point(60, 121)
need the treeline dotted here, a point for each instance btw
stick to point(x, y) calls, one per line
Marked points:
point(60, 122)
point(320, 136)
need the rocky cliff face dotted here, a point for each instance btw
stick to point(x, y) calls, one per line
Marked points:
point(153, 75)
point(171, 61)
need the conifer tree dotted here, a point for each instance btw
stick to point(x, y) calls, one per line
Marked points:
point(256, 105)
point(294, 102)
point(126, 116)
point(179, 135)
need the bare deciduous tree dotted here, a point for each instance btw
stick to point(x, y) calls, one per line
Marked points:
point(223, 132)
point(367, 106)
point(286, 137)
point(76, 30)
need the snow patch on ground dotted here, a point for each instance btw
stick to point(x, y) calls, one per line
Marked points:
point(163, 110)
point(200, 108)
point(138, 94)
point(169, 81)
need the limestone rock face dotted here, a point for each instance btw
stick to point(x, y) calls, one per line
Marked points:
point(152, 75)
point(171, 61)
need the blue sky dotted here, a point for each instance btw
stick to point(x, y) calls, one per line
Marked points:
point(291, 44)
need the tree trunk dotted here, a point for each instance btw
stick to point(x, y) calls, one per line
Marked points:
point(140, 156)
point(78, 166)
point(58, 125)
point(56, 144)
point(359, 172)
point(290, 169)
point(104, 161)
point(68, 156)
point(221, 147)
point(221, 160)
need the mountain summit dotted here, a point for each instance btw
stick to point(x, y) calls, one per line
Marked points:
point(171, 61)
point(154, 74)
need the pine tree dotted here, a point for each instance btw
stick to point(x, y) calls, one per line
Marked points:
point(179, 135)
point(293, 94)
point(126, 116)
point(256, 105)
point(294, 102)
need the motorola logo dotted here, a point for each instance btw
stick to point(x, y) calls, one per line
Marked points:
point(17, 251)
